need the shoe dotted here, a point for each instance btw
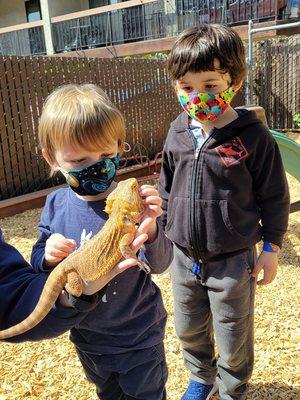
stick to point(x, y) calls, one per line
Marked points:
point(199, 391)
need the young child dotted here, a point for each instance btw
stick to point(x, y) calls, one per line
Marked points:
point(221, 175)
point(120, 341)
point(21, 287)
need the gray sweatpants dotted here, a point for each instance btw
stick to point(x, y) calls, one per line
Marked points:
point(220, 303)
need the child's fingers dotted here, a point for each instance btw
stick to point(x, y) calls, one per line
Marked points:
point(53, 252)
point(52, 259)
point(55, 237)
point(256, 270)
point(267, 278)
point(125, 264)
point(156, 210)
point(269, 275)
point(146, 191)
point(145, 225)
point(144, 187)
point(61, 246)
point(121, 267)
point(139, 241)
point(152, 199)
point(70, 243)
point(58, 240)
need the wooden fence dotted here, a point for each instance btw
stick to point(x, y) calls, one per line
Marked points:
point(140, 88)
point(276, 77)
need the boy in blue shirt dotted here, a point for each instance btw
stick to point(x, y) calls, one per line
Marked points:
point(224, 189)
point(120, 341)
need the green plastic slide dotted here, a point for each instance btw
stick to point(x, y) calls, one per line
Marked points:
point(290, 153)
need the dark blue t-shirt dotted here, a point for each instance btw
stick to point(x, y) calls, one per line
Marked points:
point(131, 314)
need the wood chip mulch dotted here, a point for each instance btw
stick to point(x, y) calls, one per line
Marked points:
point(50, 370)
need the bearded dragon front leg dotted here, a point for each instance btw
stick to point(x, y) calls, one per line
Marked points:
point(127, 251)
point(74, 284)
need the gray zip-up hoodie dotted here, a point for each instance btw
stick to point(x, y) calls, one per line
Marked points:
point(226, 196)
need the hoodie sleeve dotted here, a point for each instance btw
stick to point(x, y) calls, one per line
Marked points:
point(271, 190)
point(165, 182)
point(159, 253)
point(38, 250)
point(20, 289)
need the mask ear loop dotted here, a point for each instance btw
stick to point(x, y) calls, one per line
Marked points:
point(127, 147)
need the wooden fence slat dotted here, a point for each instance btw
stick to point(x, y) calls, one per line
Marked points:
point(30, 120)
point(23, 117)
point(13, 180)
point(4, 148)
point(36, 101)
point(13, 81)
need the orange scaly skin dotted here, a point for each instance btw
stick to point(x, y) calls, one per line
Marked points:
point(93, 259)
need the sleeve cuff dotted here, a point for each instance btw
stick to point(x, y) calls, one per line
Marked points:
point(271, 247)
point(159, 253)
point(277, 240)
point(86, 303)
point(44, 268)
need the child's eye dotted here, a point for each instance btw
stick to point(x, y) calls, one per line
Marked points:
point(188, 89)
point(78, 161)
point(210, 86)
point(107, 156)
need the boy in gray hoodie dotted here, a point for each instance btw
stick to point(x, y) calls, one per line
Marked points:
point(224, 189)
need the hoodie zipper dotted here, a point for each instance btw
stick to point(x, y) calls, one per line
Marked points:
point(197, 252)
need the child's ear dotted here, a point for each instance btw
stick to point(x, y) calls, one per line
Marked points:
point(238, 85)
point(175, 85)
point(53, 165)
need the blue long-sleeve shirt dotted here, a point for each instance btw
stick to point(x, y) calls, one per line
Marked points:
point(20, 289)
point(131, 314)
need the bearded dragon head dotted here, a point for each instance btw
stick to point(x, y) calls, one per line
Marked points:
point(126, 199)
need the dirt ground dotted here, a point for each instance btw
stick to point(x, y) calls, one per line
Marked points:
point(49, 370)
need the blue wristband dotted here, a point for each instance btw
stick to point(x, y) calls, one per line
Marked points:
point(270, 248)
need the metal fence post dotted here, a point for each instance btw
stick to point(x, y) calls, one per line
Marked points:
point(251, 31)
point(249, 63)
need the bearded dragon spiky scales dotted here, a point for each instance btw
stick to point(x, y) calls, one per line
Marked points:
point(95, 258)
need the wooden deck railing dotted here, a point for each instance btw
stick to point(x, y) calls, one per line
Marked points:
point(23, 39)
point(136, 20)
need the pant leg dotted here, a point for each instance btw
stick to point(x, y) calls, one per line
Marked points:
point(193, 320)
point(231, 293)
point(143, 373)
point(105, 380)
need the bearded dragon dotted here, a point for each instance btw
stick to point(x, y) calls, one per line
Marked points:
point(94, 258)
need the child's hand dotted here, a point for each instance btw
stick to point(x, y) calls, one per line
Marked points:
point(57, 248)
point(93, 287)
point(153, 203)
point(268, 262)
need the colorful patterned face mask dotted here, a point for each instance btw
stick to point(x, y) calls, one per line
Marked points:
point(206, 106)
point(94, 179)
